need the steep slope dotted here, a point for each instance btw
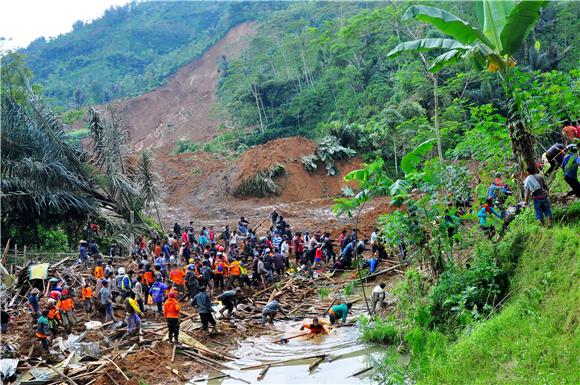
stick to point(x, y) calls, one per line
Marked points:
point(535, 337)
point(181, 109)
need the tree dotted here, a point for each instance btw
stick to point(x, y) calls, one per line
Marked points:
point(505, 25)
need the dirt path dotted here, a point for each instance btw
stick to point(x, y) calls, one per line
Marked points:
point(181, 108)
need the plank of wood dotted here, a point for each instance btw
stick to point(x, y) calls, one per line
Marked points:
point(118, 368)
point(361, 371)
point(70, 380)
point(315, 364)
point(173, 353)
point(263, 372)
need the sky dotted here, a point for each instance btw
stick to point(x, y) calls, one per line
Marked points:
point(25, 20)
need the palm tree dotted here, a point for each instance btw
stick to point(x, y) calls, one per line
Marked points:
point(44, 179)
point(505, 25)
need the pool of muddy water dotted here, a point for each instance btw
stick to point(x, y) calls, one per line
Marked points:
point(345, 356)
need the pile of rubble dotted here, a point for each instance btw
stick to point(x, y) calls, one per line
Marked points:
point(103, 353)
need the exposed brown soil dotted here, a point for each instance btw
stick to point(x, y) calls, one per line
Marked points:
point(181, 108)
point(200, 186)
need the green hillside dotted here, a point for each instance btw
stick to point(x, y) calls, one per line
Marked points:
point(132, 49)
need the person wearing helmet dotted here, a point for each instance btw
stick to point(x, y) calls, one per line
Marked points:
point(171, 311)
point(570, 166)
point(191, 281)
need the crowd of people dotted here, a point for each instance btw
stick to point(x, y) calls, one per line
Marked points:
point(200, 266)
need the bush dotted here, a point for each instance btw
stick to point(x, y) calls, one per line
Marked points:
point(262, 184)
point(52, 240)
point(463, 295)
point(184, 146)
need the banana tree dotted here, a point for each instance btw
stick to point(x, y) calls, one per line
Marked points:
point(504, 27)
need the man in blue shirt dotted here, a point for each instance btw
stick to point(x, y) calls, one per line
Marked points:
point(570, 167)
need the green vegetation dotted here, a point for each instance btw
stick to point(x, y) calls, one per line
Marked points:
point(348, 289)
point(378, 330)
point(262, 184)
point(328, 151)
point(132, 49)
point(312, 71)
point(323, 292)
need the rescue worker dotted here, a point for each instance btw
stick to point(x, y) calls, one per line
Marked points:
point(228, 299)
point(54, 320)
point(270, 310)
point(378, 296)
point(67, 305)
point(87, 296)
point(203, 304)
point(191, 281)
point(107, 301)
point(127, 284)
point(339, 312)
point(486, 210)
point(171, 313)
point(157, 291)
point(177, 276)
point(133, 314)
point(33, 304)
point(99, 272)
point(570, 166)
point(42, 329)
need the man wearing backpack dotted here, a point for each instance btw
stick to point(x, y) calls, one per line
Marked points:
point(535, 187)
point(570, 165)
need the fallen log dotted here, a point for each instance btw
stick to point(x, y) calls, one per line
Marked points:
point(361, 371)
point(315, 364)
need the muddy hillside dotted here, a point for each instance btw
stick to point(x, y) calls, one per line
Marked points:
point(181, 108)
point(201, 186)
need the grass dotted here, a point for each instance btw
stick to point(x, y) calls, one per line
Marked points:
point(534, 339)
point(377, 330)
point(76, 136)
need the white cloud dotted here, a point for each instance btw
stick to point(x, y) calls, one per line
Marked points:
point(22, 21)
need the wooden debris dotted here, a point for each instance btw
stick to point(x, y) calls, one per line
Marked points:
point(315, 364)
point(263, 372)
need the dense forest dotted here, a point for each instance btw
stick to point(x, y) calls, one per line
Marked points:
point(131, 49)
point(439, 101)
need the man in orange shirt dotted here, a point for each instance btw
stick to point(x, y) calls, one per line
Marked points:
point(87, 294)
point(171, 312)
point(67, 306)
point(177, 276)
point(99, 272)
